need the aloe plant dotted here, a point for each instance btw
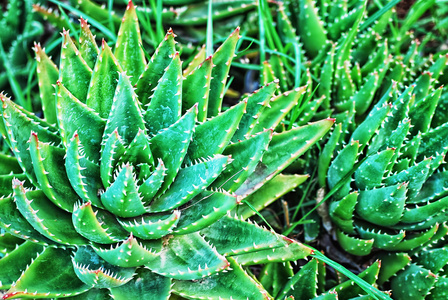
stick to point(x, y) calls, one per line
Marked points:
point(126, 186)
point(387, 183)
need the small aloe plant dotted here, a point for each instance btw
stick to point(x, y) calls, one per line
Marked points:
point(388, 184)
point(127, 186)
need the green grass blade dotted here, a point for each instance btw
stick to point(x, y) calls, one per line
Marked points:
point(372, 291)
point(209, 39)
point(110, 8)
point(377, 15)
point(112, 36)
point(16, 89)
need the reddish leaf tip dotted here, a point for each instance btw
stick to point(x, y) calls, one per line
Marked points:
point(83, 22)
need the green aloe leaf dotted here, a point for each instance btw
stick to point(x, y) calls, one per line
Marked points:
point(46, 217)
point(189, 182)
point(126, 114)
point(73, 70)
point(155, 69)
point(88, 48)
point(104, 82)
point(196, 88)
point(164, 108)
point(130, 253)
point(41, 280)
point(92, 270)
point(221, 59)
point(97, 225)
point(75, 117)
point(211, 137)
point(122, 197)
point(171, 144)
point(145, 285)
point(151, 226)
point(48, 74)
point(187, 257)
point(207, 208)
point(48, 163)
point(16, 262)
point(223, 285)
point(84, 175)
point(128, 51)
point(11, 218)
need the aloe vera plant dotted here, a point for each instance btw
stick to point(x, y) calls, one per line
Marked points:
point(126, 186)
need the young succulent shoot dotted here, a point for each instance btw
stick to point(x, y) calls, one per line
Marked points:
point(127, 186)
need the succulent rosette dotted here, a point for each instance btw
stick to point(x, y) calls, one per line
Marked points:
point(130, 185)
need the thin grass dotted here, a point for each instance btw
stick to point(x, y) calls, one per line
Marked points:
point(209, 38)
point(111, 35)
point(368, 288)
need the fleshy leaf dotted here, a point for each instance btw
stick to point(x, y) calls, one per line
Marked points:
point(126, 114)
point(241, 237)
point(73, 70)
point(113, 150)
point(276, 109)
point(269, 192)
point(212, 136)
point(154, 70)
point(74, 116)
point(45, 217)
point(150, 186)
point(354, 245)
point(221, 59)
point(12, 221)
point(187, 257)
point(138, 151)
point(130, 253)
point(245, 157)
point(128, 50)
point(370, 173)
point(84, 175)
point(41, 280)
point(382, 206)
point(47, 74)
point(151, 226)
point(19, 125)
point(48, 163)
point(207, 208)
point(122, 197)
point(255, 105)
point(96, 272)
point(104, 82)
point(98, 226)
point(196, 88)
point(224, 285)
point(283, 149)
point(145, 285)
point(171, 144)
point(16, 262)
point(164, 108)
point(189, 182)
point(88, 48)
